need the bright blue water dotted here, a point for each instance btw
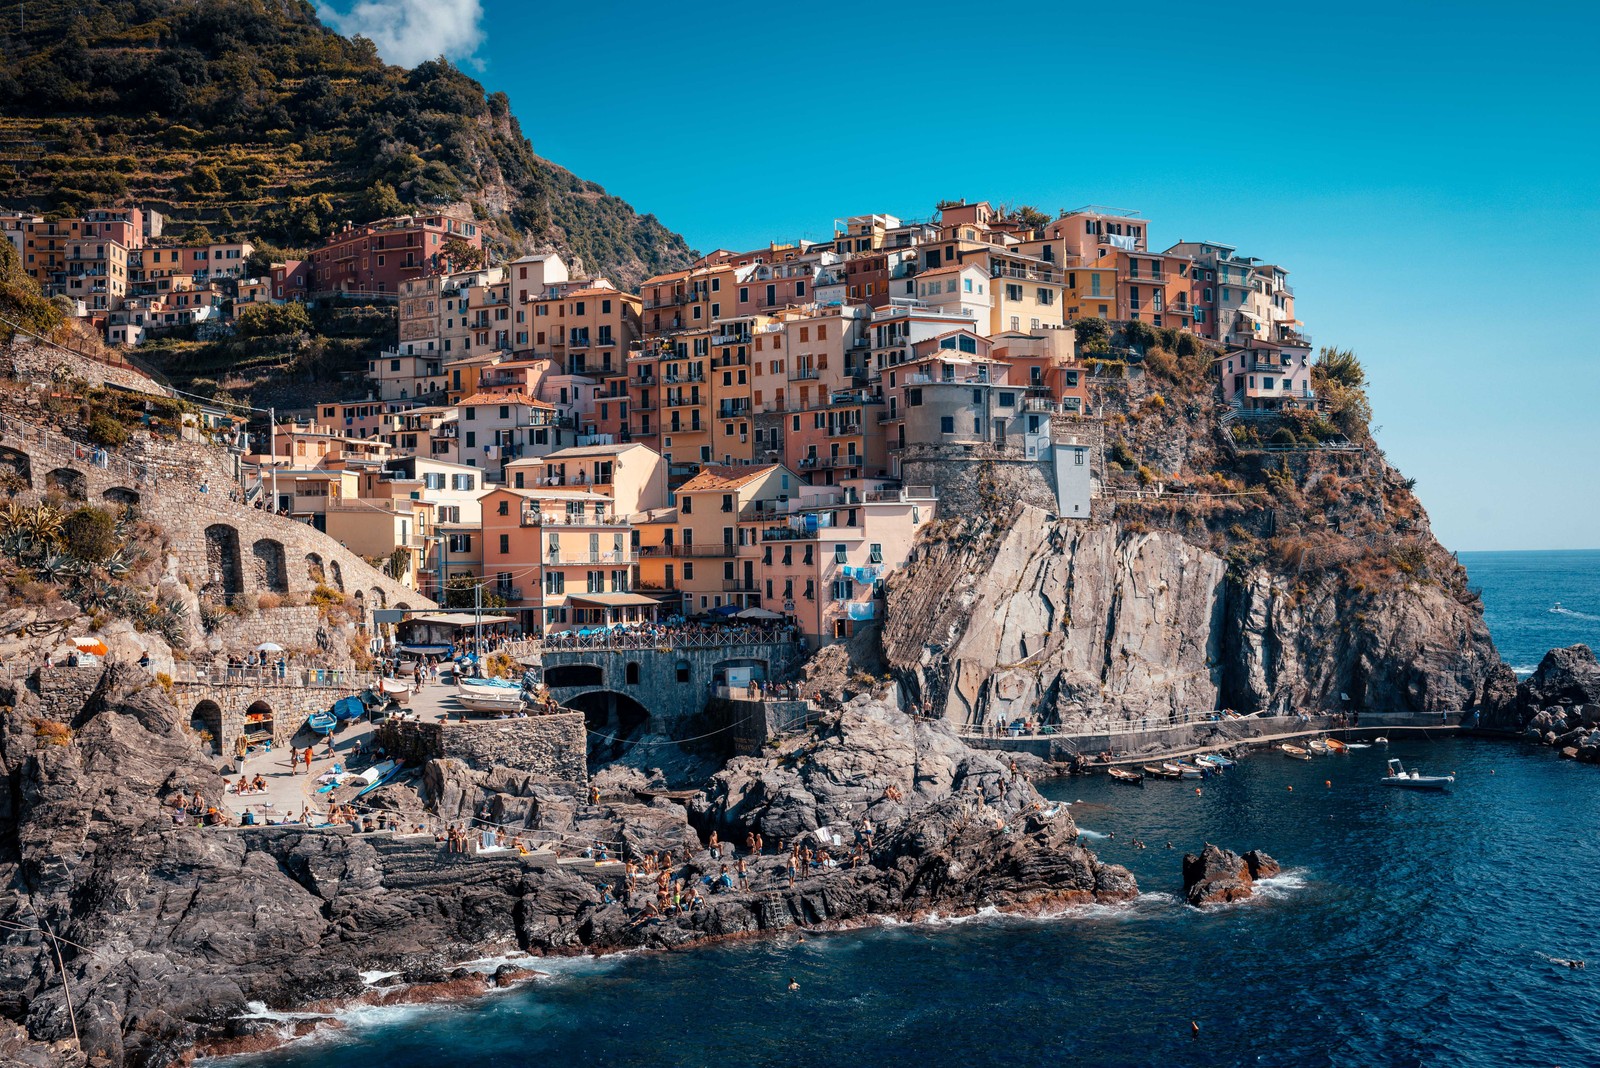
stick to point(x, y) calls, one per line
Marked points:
point(1410, 929)
point(1521, 592)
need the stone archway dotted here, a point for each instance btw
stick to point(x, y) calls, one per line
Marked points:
point(224, 572)
point(336, 573)
point(121, 496)
point(378, 599)
point(207, 717)
point(258, 722)
point(315, 573)
point(614, 721)
point(19, 462)
point(271, 569)
point(69, 481)
point(574, 675)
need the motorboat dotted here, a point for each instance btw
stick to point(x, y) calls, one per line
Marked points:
point(1132, 778)
point(1414, 780)
point(1380, 741)
point(1294, 752)
point(373, 774)
point(1215, 760)
point(1336, 746)
point(1185, 771)
point(1159, 771)
point(1318, 745)
point(1358, 745)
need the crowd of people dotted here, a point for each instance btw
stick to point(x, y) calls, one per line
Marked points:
point(681, 634)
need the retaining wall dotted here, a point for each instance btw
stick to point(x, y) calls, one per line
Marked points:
point(554, 748)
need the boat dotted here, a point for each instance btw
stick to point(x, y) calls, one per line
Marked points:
point(348, 708)
point(1215, 760)
point(1158, 771)
point(1380, 741)
point(1336, 746)
point(1294, 752)
point(322, 722)
point(373, 774)
point(1185, 771)
point(1318, 745)
point(1413, 780)
point(388, 776)
point(481, 682)
point(489, 695)
point(1121, 775)
point(397, 691)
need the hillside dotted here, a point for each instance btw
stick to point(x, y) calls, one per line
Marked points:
point(249, 117)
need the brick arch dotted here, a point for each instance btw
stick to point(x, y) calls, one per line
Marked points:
point(18, 461)
point(224, 568)
point(68, 480)
point(316, 574)
point(336, 573)
point(271, 569)
point(207, 716)
point(121, 495)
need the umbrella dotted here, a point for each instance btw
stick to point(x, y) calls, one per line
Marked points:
point(269, 647)
point(724, 610)
point(90, 645)
point(757, 613)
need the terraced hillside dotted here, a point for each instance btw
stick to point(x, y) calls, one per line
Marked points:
point(251, 117)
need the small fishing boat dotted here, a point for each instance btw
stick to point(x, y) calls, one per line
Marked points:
point(1336, 746)
point(489, 695)
point(1133, 778)
point(397, 691)
point(1294, 752)
point(1380, 741)
point(1413, 780)
point(1158, 771)
point(1185, 771)
point(1318, 745)
point(373, 774)
point(1215, 760)
point(346, 709)
point(322, 722)
point(387, 777)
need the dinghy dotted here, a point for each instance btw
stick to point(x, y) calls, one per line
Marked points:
point(372, 775)
point(1132, 778)
point(1294, 752)
point(1318, 746)
point(1412, 780)
point(322, 722)
point(1336, 746)
point(1156, 771)
point(397, 691)
point(1215, 760)
point(1185, 771)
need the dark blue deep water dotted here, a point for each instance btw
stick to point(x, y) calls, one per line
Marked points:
point(1409, 929)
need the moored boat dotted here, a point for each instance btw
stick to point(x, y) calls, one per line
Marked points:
point(1185, 771)
point(1318, 745)
point(1133, 778)
point(1294, 752)
point(481, 701)
point(322, 722)
point(1413, 780)
point(1215, 760)
point(1336, 746)
point(395, 690)
point(1159, 771)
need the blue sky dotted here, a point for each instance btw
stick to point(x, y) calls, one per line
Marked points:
point(1427, 172)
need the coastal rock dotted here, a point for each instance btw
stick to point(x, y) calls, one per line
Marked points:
point(1218, 876)
point(1569, 676)
point(1562, 693)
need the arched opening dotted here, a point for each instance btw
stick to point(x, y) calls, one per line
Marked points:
point(206, 721)
point(224, 575)
point(401, 606)
point(258, 723)
point(378, 598)
point(630, 674)
point(68, 481)
point(272, 570)
point(615, 722)
point(315, 574)
point(574, 675)
point(19, 466)
point(121, 496)
point(360, 600)
point(336, 573)
point(683, 671)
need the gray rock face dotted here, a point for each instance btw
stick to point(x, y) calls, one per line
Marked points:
point(1560, 700)
point(1218, 876)
point(1105, 627)
point(181, 926)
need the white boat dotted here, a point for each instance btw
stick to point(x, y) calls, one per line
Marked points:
point(1357, 745)
point(372, 774)
point(1380, 741)
point(1216, 760)
point(397, 691)
point(1413, 780)
point(1184, 771)
point(1294, 752)
point(477, 683)
point(489, 698)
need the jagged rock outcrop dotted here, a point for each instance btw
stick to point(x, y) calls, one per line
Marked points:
point(1094, 625)
point(167, 931)
point(1558, 705)
point(1218, 876)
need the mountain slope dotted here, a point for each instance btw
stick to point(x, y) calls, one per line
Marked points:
point(250, 117)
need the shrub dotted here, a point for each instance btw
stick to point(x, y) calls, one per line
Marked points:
point(106, 431)
point(326, 597)
point(49, 732)
point(164, 680)
point(268, 601)
point(90, 534)
point(1121, 454)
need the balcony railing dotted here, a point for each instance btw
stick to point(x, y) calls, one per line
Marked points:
point(586, 557)
point(724, 551)
point(538, 519)
point(802, 374)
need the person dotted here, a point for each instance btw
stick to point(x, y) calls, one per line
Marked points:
point(307, 756)
point(715, 846)
point(744, 875)
point(243, 785)
point(144, 660)
point(793, 985)
point(259, 783)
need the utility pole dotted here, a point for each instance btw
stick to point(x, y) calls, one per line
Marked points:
point(272, 453)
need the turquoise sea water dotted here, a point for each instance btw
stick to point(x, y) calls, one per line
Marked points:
point(1409, 929)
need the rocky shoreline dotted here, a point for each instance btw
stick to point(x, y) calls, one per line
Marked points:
point(1558, 705)
point(167, 933)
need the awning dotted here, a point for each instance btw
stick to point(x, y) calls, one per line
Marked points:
point(459, 619)
point(613, 600)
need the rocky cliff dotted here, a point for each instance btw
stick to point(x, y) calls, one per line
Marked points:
point(1213, 573)
point(166, 932)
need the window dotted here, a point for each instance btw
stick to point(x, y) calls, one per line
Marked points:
point(688, 570)
point(1008, 400)
point(844, 590)
point(1013, 292)
point(1077, 457)
point(947, 424)
point(505, 508)
point(876, 556)
point(505, 544)
point(688, 505)
point(913, 399)
point(727, 498)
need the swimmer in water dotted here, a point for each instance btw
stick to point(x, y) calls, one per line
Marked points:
point(1575, 965)
point(793, 985)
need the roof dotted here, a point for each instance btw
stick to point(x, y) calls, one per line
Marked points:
point(718, 477)
point(574, 451)
point(952, 269)
point(486, 399)
point(555, 493)
point(613, 600)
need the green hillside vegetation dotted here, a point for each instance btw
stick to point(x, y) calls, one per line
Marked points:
point(251, 118)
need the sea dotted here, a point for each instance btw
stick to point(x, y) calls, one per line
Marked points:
point(1406, 929)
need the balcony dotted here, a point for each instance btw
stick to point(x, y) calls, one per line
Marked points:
point(739, 585)
point(690, 551)
point(803, 374)
point(640, 381)
point(579, 557)
point(689, 376)
point(580, 341)
point(809, 463)
point(1149, 279)
point(733, 409)
point(672, 401)
point(731, 360)
point(533, 518)
point(741, 338)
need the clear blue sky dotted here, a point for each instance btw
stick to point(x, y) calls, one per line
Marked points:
point(1428, 173)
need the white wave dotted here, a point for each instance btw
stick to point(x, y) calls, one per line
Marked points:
point(1087, 833)
point(1285, 884)
point(1558, 610)
point(374, 978)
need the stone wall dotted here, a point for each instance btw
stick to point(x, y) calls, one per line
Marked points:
point(966, 485)
point(554, 748)
point(222, 707)
point(63, 691)
point(48, 363)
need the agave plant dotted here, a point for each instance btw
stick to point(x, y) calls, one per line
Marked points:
point(60, 567)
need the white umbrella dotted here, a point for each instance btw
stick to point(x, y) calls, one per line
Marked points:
point(757, 613)
point(269, 647)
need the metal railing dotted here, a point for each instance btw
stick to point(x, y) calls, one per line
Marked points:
point(272, 676)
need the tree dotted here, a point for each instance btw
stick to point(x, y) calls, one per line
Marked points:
point(463, 256)
point(1093, 328)
point(1341, 366)
point(1340, 383)
point(380, 201)
point(458, 593)
point(273, 320)
point(90, 534)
